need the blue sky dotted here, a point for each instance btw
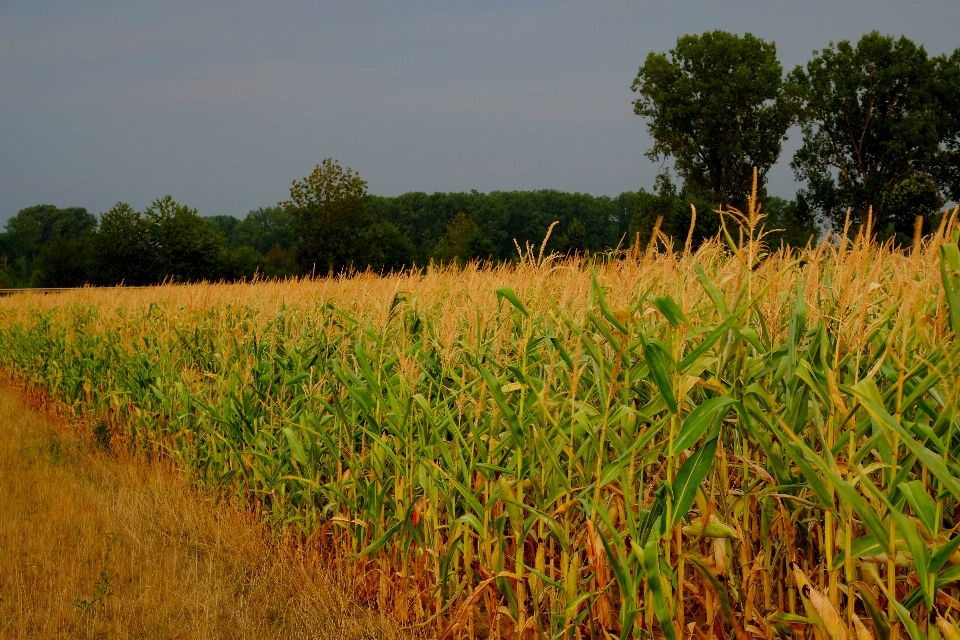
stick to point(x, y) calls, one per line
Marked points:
point(223, 104)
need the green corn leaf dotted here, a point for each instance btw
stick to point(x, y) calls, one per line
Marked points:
point(862, 547)
point(474, 522)
point(950, 275)
point(511, 296)
point(604, 307)
point(650, 519)
point(912, 629)
point(868, 395)
point(563, 352)
point(949, 576)
point(938, 559)
point(691, 358)
point(801, 454)
point(612, 471)
point(382, 540)
point(925, 385)
point(917, 546)
point(750, 335)
point(811, 477)
point(621, 571)
point(510, 502)
point(663, 611)
point(493, 385)
point(690, 476)
point(299, 454)
point(921, 503)
point(698, 421)
point(849, 495)
point(670, 310)
point(877, 616)
point(656, 358)
point(715, 294)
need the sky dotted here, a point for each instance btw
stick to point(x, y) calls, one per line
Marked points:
point(223, 104)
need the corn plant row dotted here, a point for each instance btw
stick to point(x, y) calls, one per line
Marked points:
point(712, 444)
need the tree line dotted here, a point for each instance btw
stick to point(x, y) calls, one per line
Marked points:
point(880, 126)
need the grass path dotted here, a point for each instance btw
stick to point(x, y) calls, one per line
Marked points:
point(98, 545)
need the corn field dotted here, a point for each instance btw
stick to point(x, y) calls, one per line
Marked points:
point(728, 443)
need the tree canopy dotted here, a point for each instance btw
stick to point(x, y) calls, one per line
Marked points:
point(121, 251)
point(873, 116)
point(716, 104)
point(328, 211)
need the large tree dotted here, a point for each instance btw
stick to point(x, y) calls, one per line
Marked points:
point(717, 105)
point(874, 116)
point(948, 93)
point(328, 209)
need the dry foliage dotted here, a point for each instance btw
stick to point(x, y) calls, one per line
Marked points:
point(98, 545)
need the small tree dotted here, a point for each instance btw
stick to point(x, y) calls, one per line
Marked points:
point(185, 247)
point(281, 262)
point(35, 228)
point(62, 263)
point(574, 239)
point(673, 210)
point(120, 250)
point(329, 218)
point(386, 248)
point(789, 222)
point(463, 241)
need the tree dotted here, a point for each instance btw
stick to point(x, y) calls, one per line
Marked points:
point(62, 263)
point(463, 241)
point(281, 262)
point(223, 224)
point(328, 209)
point(185, 247)
point(52, 223)
point(914, 196)
point(264, 228)
point(33, 229)
point(387, 249)
point(873, 116)
point(674, 212)
point(718, 106)
point(120, 251)
point(790, 222)
point(241, 262)
point(574, 240)
point(948, 95)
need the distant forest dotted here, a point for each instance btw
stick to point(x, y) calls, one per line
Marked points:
point(880, 125)
point(45, 246)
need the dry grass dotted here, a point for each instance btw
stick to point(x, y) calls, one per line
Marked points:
point(98, 545)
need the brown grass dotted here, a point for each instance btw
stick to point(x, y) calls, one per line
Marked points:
point(98, 545)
